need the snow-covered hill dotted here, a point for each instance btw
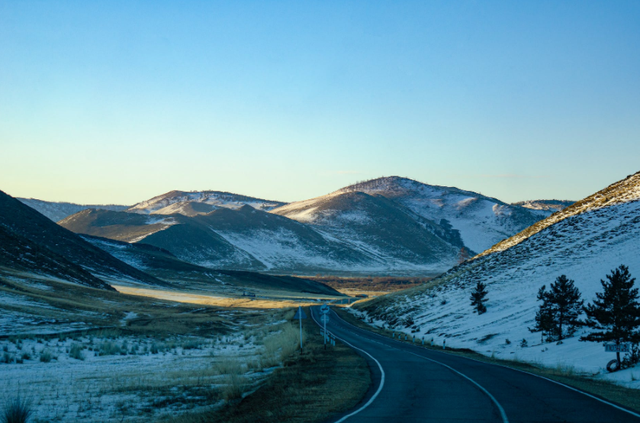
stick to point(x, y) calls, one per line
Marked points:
point(251, 239)
point(384, 226)
point(481, 221)
point(584, 242)
point(550, 205)
point(199, 202)
point(57, 211)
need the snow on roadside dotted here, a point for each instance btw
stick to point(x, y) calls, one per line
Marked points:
point(584, 247)
point(111, 378)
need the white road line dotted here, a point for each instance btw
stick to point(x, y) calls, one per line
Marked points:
point(381, 377)
point(495, 401)
point(517, 370)
point(568, 387)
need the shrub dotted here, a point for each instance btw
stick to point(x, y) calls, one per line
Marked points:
point(234, 385)
point(17, 410)
point(108, 348)
point(191, 345)
point(280, 345)
point(46, 356)
point(76, 351)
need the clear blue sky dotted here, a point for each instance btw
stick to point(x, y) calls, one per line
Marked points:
point(118, 101)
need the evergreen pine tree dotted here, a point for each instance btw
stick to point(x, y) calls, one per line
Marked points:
point(544, 316)
point(567, 306)
point(558, 314)
point(616, 311)
point(478, 297)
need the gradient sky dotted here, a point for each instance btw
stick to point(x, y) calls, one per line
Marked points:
point(119, 101)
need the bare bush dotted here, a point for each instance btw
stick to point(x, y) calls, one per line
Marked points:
point(228, 366)
point(17, 410)
point(280, 345)
point(234, 386)
point(108, 348)
point(76, 351)
point(46, 356)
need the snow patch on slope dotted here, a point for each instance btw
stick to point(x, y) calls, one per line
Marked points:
point(585, 247)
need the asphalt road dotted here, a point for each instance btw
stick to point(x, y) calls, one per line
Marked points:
point(414, 384)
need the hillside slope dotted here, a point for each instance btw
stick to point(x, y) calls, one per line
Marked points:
point(251, 239)
point(584, 241)
point(189, 277)
point(21, 254)
point(481, 221)
point(384, 226)
point(23, 222)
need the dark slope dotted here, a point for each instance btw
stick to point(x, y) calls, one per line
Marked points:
point(25, 222)
point(385, 226)
point(115, 225)
point(19, 253)
point(193, 241)
point(284, 283)
point(482, 221)
point(161, 263)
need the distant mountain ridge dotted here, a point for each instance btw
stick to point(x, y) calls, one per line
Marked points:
point(482, 221)
point(199, 202)
point(552, 205)
point(31, 244)
point(380, 226)
point(57, 211)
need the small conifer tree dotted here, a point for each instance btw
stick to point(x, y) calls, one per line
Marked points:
point(478, 298)
point(615, 312)
point(544, 315)
point(567, 306)
point(558, 315)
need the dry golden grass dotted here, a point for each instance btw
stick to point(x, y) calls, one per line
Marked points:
point(313, 386)
point(211, 300)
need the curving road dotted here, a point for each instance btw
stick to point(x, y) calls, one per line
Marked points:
point(414, 384)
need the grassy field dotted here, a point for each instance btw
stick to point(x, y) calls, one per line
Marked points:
point(270, 300)
point(609, 391)
point(371, 286)
point(312, 386)
point(80, 354)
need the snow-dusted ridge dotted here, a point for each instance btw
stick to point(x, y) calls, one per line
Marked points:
point(482, 221)
point(619, 192)
point(176, 202)
point(387, 226)
point(57, 211)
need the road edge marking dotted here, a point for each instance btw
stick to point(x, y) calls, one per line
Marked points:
point(382, 376)
point(503, 414)
point(602, 400)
